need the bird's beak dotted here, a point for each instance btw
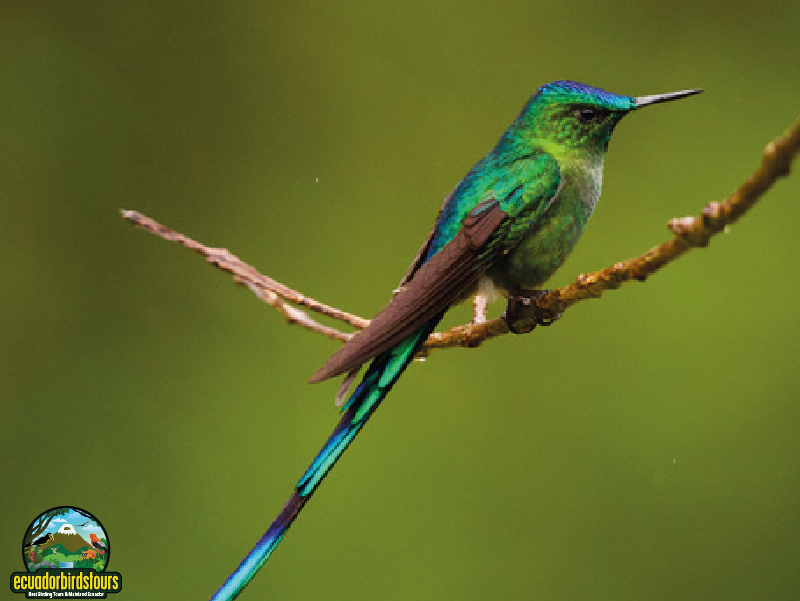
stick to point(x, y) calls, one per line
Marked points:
point(656, 98)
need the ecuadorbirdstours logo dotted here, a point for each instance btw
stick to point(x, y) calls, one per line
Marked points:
point(66, 552)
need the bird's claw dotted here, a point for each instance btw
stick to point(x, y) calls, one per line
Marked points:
point(524, 314)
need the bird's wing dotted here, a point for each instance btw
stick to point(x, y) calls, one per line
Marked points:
point(419, 260)
point(488, 230)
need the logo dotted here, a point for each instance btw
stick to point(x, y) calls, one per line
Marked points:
point(66, 552)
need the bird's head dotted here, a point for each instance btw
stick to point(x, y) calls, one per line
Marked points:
point(567, 116)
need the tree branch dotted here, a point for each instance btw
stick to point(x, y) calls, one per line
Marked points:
point(264, 287)
point(688, 232)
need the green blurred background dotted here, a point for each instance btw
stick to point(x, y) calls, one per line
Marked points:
point(645, 447)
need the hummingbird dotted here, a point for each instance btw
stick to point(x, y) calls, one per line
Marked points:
point(502, 231)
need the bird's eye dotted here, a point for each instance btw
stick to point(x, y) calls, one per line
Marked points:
point(589, 115)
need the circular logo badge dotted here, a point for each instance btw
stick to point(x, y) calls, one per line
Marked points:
point(66, 537)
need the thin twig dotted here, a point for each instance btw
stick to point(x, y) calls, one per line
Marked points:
point(688, 232)
point(264, 287)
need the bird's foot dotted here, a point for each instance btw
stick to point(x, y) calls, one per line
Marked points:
point(524, 314)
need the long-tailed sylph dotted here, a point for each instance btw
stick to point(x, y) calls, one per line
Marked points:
point(504, 229)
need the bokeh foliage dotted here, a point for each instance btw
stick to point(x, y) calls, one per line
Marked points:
point(644, 447)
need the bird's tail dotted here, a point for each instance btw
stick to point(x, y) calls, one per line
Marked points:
point(381, 375)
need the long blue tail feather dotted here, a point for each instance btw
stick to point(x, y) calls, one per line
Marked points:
point(383, 372)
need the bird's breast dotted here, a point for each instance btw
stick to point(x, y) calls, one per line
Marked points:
point(550, 240)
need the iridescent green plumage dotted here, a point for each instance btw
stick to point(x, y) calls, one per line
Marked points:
point(508, 225)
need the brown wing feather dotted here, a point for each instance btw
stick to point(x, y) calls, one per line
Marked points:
point(434, 286)
point(423, 250)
